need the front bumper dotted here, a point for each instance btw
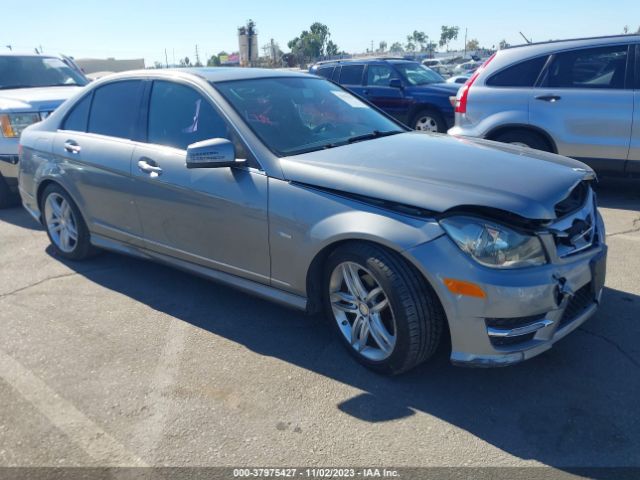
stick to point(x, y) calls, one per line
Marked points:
point(9, 170)
point(525, 310)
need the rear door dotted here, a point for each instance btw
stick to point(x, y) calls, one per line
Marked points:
point(377, 90)
point(95, 145)
point(633, 163)
point(585, 102)
point(215, 217)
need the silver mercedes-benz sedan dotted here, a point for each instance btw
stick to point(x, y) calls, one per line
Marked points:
point(289, 187)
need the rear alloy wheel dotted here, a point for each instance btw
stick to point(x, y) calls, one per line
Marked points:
point(429, 121)
point(384, 311)
point(65, 226)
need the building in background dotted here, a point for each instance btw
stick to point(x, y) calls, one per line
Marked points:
point(248, 44)
point(92, 65)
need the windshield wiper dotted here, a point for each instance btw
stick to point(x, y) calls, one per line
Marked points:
point(374, 134)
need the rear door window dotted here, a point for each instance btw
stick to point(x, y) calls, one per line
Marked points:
point(523, 74)
point(602, 67)
point(351, 74)
point(115, 109)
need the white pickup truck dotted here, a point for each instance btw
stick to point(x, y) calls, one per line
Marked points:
point(31, 87)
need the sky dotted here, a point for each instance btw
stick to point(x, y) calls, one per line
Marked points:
point(145, 28)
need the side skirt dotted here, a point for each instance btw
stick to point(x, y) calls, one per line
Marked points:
point(264, 291)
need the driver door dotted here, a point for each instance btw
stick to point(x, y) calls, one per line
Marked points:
point(215, 217)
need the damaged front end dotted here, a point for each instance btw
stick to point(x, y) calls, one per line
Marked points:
point(527, 301)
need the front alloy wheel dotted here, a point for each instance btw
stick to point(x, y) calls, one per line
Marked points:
point(361, 309)
point(383, 309)
point(426, 123)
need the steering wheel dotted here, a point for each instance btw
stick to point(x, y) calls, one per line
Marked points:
point(323, 127)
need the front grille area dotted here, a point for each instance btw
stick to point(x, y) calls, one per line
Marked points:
point(580, 301)
point(574, 201)
point(576, 227)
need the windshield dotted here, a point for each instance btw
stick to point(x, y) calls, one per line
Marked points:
point(33, 71)
point(297, 115)
point(417, 74)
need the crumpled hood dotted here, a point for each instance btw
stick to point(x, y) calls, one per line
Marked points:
point(439, 173)
point(42, 99)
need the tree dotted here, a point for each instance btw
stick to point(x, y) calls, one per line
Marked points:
point(214, 61)
point(410, 46)
point(420, 38)
point(396, 47)
point(383, 46)
point(185, 62)
point(313, 43)
point(158, 65)
point(503, 44)
point(473, 44)
point(447, 34)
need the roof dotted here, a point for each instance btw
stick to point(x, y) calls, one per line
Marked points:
point(222, 74)
point(367, 60)
point(603, 39)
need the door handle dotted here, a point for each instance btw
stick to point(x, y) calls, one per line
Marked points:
point(72, 147)
point(149, 166)
point(549, 98)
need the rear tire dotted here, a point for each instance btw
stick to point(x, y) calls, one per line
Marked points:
point(403, 322)
point(64, 224)
point(525, 138)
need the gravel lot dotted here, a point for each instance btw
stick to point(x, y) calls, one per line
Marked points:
point(118, 361)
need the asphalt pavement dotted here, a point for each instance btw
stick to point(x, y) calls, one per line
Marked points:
point(117, 361)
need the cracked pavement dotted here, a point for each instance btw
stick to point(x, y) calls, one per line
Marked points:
point(118, 361)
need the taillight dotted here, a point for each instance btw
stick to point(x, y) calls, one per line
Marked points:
point(461, 103)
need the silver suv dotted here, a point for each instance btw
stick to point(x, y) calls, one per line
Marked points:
point(579, 98)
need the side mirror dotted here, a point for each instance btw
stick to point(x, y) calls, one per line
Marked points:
point(395, 83)
point(213, 153)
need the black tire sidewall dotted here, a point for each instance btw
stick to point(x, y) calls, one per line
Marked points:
point(389, 280)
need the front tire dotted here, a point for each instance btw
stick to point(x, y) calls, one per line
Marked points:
point(65, 226)
point(429, 120)
point(383, 310)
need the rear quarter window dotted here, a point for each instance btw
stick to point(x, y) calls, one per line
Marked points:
point(325, 72)
point(523, 74)
point(78, 117)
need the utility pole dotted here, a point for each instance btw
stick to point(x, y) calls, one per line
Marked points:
point(166, 59)
point(465, 42)
point(371, 46)
point(197, 56)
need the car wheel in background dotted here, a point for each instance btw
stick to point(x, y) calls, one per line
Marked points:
point(429, 121)
point(65, 226)
point(384, 311)
point(525, 138)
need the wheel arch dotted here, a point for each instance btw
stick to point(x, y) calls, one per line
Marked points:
point(42, 186)
point(497, 131)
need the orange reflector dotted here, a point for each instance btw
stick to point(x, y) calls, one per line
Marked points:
point(5, 125)
point(460, 287)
